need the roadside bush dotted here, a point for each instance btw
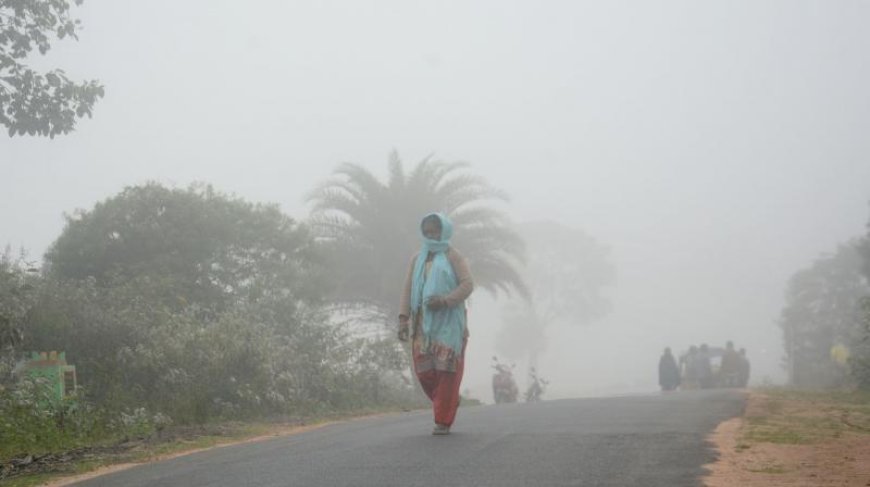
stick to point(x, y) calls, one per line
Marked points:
point(859, 362)
point(378, 372)
point(33, 421)
point(271, 357)
point(222, 368)
point(18, 290)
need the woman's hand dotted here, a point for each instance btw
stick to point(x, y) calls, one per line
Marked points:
point(434, 303)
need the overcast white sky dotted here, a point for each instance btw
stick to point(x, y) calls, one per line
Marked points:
point(717, 147)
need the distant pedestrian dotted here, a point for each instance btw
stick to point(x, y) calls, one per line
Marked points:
point(432, 314)
point(705, 367)
point(729, 371)
point(744, 368)
point(669, 373)
point(690, 369)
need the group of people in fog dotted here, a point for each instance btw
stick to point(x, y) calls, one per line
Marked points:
point(696, 368)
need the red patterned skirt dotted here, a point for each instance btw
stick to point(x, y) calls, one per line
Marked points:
point(439, 369)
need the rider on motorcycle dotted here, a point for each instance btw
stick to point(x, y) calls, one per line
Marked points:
point(504, 388)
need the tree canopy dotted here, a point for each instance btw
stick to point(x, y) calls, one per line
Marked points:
point(204, 247)
point(31, 102)
point(860, 360)
point(822, 313)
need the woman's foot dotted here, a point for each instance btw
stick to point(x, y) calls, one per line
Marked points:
point(440, 430)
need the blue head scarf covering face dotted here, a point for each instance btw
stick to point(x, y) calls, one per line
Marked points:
point(447, 325)
point(441, 245)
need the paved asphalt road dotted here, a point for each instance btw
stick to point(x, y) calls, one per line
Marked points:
point(649, 441)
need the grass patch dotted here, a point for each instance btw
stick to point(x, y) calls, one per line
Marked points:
point(773, 469)
point(42, 478)
point(794, 429)
point(29, 481)
point(783, 435)
point(775, 406)
point(795, 417)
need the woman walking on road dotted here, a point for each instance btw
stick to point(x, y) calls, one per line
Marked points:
point(432, 314)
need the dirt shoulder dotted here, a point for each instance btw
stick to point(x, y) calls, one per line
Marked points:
point(795, 438)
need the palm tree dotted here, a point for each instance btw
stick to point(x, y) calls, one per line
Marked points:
point(370, 230)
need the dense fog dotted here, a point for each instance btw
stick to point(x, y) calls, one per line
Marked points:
point(697, 153)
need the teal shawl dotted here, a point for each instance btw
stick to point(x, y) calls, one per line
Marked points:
point(445, 326)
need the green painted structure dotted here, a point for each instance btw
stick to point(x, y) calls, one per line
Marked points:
point(52, 367)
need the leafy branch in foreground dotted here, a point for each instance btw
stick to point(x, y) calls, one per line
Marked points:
point(31, 102)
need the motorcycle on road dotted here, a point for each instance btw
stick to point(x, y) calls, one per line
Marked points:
point(504, 387)
point(536, 387)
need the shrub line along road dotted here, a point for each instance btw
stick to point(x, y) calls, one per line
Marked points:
point(650, 441)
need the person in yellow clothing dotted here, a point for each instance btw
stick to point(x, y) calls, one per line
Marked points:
point(840, 354)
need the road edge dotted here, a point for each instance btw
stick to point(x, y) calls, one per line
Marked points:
point(62, 480)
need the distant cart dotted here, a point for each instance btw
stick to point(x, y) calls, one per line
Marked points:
point(693, 377)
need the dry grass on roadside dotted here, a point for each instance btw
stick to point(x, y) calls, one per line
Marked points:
point(789, 437)
point(800, 418)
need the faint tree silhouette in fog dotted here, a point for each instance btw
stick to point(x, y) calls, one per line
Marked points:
point(567, 273)
point(31, 102)
point(371, 229)
point(823, 310)
point(860, 360)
